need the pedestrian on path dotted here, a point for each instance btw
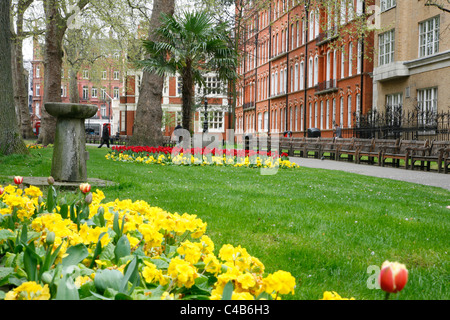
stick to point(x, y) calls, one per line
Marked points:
point(105, 137)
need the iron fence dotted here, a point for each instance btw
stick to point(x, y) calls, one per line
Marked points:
point(409, 125)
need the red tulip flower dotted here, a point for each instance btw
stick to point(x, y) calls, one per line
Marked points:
point(18, 180)
point(2, 190)
point(85, 187)
point(393, 277)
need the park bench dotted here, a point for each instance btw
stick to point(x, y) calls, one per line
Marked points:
point(433, 152)
point(312, 145)
point(285, 145)
point(400, 152)
point(365, 148)
point(327, 148)
point(345, 146)
point(446, 158)
point(298, 145)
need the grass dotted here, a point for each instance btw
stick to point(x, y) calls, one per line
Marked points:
point(325, 227)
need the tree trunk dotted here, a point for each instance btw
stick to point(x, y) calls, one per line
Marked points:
point(55, 29)
point(73, 86)
point(148, 120)
point(187, 95)
point(20, 87)
point(10, 140)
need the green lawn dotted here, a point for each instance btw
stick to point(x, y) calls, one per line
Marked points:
point(325, 227)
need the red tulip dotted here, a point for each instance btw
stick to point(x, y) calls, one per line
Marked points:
point(18, 180)
point(85, 187)
point(2, 190)
point(393, 277)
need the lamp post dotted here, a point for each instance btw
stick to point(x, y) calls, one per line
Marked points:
point(205, 122)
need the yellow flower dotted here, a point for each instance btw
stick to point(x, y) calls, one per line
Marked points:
point(281, 282)
point(190, 251)
point(33, 192)
point(151, 274)
point(327, 295)
point(242, 296)
point(81, 280)
point(29, 291)
point(246, 280)
point(182, 272)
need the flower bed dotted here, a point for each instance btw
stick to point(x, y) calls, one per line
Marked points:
point(200, 157)
point(85, 248)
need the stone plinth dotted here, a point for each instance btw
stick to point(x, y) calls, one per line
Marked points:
point(69, 154)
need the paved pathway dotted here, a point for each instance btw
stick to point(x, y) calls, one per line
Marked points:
point(416, 176)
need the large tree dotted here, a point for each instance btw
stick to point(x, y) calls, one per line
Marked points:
point(20, 87)
point(10, 140)
point(58, 18)
point(148, 120)
point(190, 45)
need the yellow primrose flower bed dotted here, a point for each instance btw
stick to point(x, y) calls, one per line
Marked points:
point(84, 248)
point(200, 157)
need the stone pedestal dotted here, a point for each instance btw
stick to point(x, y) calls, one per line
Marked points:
point(69, 153)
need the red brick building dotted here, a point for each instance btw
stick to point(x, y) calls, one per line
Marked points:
point(304, 68)
point(100, 85)
point(218, 105)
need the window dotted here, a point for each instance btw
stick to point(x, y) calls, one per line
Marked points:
point(38, 90)
point(387, 4)
point(349, 111)
point(328, 67)
point(328, 115)
point(310, 73)
point(103, 92)
point(321, 115)
point(38, 71)
point(341, 123)
point(316, 114)
point(85, 93)
point(359, 57)
point(266, 121)
point(104, 74)
point(103, 110)
point(386, 44)
point(429, 37)
point(358, 109)
point(85, 74)
point(94, 93)
point(116, 93)
point(63, 91)
point(296, 119)
point(301, 80)
point(260, 122)
point(343, 62)
point(296, 77)
point(427, 104)
point(394, 108)
point(316, 70)
point(116, 75)
point(215, 120)
point(179, 86)
point(350, 59)
point(334, 112)
point(37, 108)
point(213, 85)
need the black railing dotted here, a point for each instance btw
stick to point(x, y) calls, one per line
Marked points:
point(249, 106)
point(396, 123)
point(326, 36)
point(326, 85)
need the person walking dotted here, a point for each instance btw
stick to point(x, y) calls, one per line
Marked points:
point(337, 131)
point(105, 137)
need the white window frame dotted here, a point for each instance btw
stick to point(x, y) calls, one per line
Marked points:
point(387, 4)
point(386, 47)
point(427, 103)
point(429, 31)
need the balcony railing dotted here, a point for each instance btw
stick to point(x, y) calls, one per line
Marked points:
point(326, 36)
point(249, 106)
point(326, 86)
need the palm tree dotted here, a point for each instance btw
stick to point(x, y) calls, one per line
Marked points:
point(190, 44)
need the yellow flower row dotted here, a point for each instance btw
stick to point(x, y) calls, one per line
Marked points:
point(180, 159)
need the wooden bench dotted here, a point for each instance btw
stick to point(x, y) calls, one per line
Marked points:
point(312, 145)
point(433, 152)
point(298, 145)
point(327, 148)
point(365, 148)
point(400, 152)
point(446, 158)
point(285, 145)
point(345, 146)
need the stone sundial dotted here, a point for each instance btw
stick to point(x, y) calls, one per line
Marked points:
point(69, 154)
